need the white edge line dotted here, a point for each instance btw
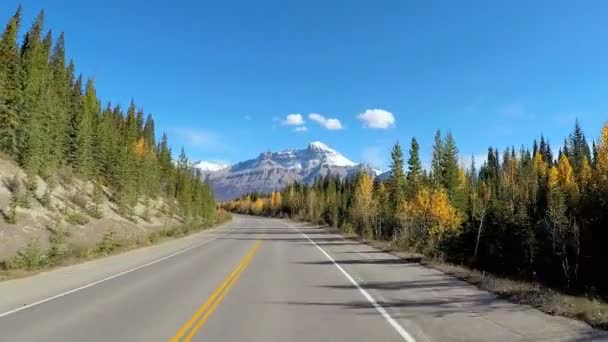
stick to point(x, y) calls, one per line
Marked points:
point(110, 277)
point(400, 330)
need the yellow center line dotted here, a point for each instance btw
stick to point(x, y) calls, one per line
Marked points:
point(216, 297)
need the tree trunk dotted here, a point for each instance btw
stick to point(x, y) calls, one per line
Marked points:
point(478, 237)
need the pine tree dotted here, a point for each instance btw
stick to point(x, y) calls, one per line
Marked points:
point(397, 179)
point(74, 117)
point(184, 189)
point(84, 135)
point(449, 166)
point(332, 203)
point(10, 86)
point(149, 131)
point(30, 131)
point(578, 148)
point(59, 109)
point(414, 168)
point(436, 167)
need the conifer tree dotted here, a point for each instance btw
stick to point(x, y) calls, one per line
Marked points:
point(59, 109)
point(34, 65)
point(436, 167)
point(10, 86)
point(397, 179)
point(414, 168)
point(84, 135)
point(449, 166)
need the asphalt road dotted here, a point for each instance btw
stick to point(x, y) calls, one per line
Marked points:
point(257, 279)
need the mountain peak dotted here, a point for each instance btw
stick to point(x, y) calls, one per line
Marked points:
point(272, 171)
point(332, 157)
point(206, 166)
point(319, 146)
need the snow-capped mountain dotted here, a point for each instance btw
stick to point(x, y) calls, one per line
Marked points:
point(206, 166)
point(274, 170)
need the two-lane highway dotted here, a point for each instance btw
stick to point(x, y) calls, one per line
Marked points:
point(258, 279)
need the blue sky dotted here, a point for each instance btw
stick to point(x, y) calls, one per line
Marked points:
point(220, 77)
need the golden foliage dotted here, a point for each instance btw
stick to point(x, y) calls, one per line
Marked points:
point(363, 204)
point(431, 209)
point(275, 200)
point(259, 205)
point(553, 178)
point(602, 158)
point(565, 174)
point(140, 147)
point(538, 165)
point(586, 173)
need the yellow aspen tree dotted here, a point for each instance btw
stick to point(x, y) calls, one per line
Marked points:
point(140, 147)
point(586, 173)
point(445, 215)
point(538, 164)
point(601, 160)
point(553, 178)
point(566, 179)
point(565, 175)
point(258, 205)
point(363, 204)
point(431, 216)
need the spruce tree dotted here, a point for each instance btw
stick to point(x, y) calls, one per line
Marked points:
point(149, 131)
point(84, 135)
point(449, 166)
point(30, 130)
point(60, 91)
point(397, 179)
point(75, 118)
point(10, 86)
point(436, 171)
point(414, 166)
point(578, 148)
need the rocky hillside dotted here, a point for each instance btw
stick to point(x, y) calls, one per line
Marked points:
point(82, 214)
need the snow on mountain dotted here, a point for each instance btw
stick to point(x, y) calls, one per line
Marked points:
point(332, 157)
point(272, 171)
point(206, 166)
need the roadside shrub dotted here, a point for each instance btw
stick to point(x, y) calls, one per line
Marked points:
point(30, 257)
point(97, 196)
point(66, 176)
point(108, 244)
point(77, 218)
point(46, 199)
point(59, 249)
point(31, 185)
point(78, 199)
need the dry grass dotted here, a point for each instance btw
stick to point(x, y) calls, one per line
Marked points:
point(110, 244)
point(585, 308)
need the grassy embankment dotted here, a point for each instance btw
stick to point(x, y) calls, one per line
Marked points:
point(33, 258)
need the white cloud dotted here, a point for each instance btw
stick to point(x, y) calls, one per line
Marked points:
point(293, 120)
point(330, 124)
point(300, 129)
point(377, 119)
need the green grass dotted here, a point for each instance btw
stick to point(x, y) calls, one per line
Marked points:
point(33, 257)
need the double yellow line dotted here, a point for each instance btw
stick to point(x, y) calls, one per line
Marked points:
point(202, 314)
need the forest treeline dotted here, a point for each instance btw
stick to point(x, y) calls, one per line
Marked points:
point(51, 121)
point(524, 213)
